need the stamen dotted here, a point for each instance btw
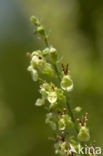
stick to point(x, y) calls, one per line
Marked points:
point(63, 68)
point(82, 122)
point(67, 69)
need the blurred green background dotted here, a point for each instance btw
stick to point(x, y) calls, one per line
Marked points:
point(75, 28)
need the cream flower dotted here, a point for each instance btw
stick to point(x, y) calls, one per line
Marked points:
point(67, 83)
point(52, 97)
point(34, 73)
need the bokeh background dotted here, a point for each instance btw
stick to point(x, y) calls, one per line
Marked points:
point(75, 28)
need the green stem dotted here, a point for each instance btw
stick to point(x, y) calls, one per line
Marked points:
point(72, 116)
point(58, 75)
point(56, 70)
point(46, 40)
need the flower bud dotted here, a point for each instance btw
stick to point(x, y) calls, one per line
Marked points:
point(62, 124)
point(53, 54)
point(35, 20)
point(60, 94)
point(67, 83)
point(84, 134)
point(78, 109)
point(48, 70)
point(40, 29)
point(40, 102)
point(45, 51)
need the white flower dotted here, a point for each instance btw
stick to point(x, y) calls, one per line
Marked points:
point(30, 68)
point(44, 90)
point(52, 97)
point(34, 73)
point(40, 102)
point(37, 61)
point(67, 83)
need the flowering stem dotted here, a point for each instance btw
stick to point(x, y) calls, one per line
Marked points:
point(55, 97)
point(58, 75)
point(59, 79)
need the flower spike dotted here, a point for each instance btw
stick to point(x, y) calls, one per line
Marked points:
point(54, 89)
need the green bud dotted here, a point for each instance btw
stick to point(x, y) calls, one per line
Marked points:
point(45, 51)
point(40, 29)
point(53, 54)
point(62, 124)
point(67, 83)
point(78, 109)
point(84, 134)
point(48, 70)
point(60, 94)
point(35, 20)
point(40, 102)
